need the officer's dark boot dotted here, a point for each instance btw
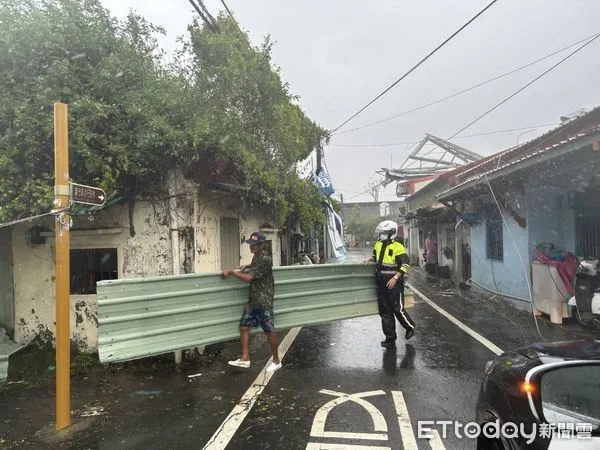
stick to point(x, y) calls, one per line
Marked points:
point(389, 343)
point(409, 333)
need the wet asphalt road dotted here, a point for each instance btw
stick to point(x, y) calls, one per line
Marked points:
point(437, 374)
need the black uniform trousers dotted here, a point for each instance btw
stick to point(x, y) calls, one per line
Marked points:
point(391, 307)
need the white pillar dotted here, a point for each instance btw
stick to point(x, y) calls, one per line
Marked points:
point(174, 231)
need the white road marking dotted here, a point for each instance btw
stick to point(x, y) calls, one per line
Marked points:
point(436, 441)
point(409, 441)
point(229, 427)
point(495, 349)
point(379, 423)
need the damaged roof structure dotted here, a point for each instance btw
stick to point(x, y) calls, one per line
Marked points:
point(426, 162)
point(556, 142)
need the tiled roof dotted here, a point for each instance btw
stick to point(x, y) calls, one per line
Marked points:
point(569, 131)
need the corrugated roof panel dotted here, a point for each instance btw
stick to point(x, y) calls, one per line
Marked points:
point(138, 318)
point(519, 160)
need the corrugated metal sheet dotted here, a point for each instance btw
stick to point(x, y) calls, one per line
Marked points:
point(151, 316)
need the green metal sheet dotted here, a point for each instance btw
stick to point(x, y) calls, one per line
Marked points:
point(144, 317)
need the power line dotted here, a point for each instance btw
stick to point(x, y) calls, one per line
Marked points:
point(363, 192)
point(466, 90)
point(207, 12)
point(28, 219)
point(211, 24)
point(227, 9)
point(514, 94)
point(525, 86)
point(418, 64)
point(458, 137)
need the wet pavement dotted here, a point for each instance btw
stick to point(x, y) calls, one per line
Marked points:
point(438, 373)
point(148, 404)
point(145, 404)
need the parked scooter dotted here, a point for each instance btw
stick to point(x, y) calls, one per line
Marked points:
point(586, 301)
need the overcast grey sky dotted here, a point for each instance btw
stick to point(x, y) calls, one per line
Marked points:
point(338, 55)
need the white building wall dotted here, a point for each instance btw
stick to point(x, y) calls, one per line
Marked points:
point(141, 237)
point(146, 253)
point(209, 211)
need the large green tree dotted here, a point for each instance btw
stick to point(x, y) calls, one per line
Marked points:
point(221, 112)
point(245, 112)
point(122, 103)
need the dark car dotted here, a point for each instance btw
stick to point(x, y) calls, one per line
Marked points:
point(544, 396)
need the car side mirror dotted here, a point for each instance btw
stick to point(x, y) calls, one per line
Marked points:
point(566, 395)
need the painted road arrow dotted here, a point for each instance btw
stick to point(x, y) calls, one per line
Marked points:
point(87, 195)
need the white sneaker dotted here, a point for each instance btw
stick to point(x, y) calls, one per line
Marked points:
point(239, 363)
point(273, 367)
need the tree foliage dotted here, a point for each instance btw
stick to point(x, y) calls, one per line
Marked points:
point(363, 229)
point(244, 111)
point(220, 113)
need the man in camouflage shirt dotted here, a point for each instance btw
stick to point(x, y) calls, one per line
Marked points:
point(259, 309)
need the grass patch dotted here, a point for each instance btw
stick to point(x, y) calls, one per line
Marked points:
point(31, 364)
point(36, 363)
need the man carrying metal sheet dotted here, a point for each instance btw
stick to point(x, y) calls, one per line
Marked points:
point(392, 264)
point(259, 309)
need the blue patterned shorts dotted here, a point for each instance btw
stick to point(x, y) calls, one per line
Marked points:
point(255, 317)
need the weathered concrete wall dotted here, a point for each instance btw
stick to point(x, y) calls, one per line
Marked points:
point(140, 235)
point(209, 211)
point(140, 232)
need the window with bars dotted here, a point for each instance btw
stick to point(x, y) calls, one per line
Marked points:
point(90, 266)
point(495, 241)
point(588, 237)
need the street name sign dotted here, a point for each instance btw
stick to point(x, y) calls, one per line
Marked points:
point(87, 195)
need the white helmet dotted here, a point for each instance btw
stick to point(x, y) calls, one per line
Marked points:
point(387, 230)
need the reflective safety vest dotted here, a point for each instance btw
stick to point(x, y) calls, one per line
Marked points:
point(390, 257)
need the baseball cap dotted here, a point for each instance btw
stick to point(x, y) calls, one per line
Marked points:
point(256, 238)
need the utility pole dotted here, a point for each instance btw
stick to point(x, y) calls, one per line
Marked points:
point(65, 192)
point(319, 167)
point(319, 157)
point(62, 239)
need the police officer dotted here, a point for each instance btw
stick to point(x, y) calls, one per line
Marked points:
point(392, 264)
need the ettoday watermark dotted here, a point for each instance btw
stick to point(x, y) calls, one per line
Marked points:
point(495, 430)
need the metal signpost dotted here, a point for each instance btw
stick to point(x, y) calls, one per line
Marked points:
point(66, 193)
